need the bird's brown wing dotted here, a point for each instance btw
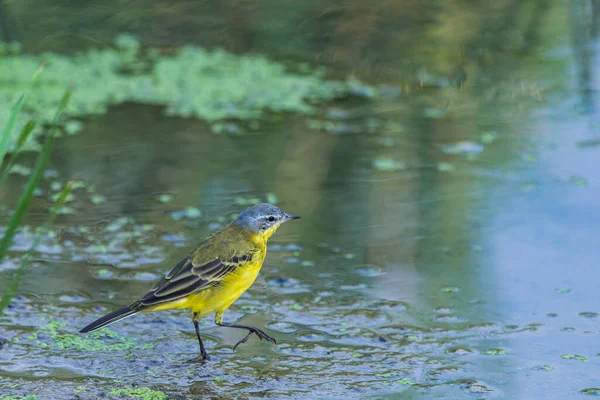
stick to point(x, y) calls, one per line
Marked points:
point(195, 273)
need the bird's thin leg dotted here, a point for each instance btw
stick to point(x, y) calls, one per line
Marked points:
point(202, 350)
point(250, 329)
point(203, 355)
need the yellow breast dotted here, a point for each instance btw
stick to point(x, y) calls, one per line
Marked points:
point(221, 296)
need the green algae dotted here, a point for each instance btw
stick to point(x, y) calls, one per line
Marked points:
point(28, 397)
point(591, 391)
point(97, 199)
point(218, 85)
point(388, 164)
point(187, 213)
point(141, 393)
point(488, 137)
point(579, 181)
point(494, 352)
point(562, 290)
point(406, 381)
point(193, 82)
point(546, 368)
point(101, 340)
point(574, 357)
point(445, 167)
point(243, 201)
point(20, 170)
point(165, 198)
point(272, 198)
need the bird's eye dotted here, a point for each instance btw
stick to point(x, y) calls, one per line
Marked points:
point(271, 218)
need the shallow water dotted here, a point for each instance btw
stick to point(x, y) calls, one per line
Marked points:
point(449, 240)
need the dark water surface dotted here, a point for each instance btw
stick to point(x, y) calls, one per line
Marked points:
point(449, 246)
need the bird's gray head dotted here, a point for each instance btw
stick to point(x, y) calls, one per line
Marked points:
point(263, 218)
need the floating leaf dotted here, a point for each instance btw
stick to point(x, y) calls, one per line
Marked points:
point(271, 198)
point(73, 126)
point(494, 352)
point(70, 197)
point(574, 357)
point(20, 170)
point(434, 113)
point(388, 164)
point(488, 137)
point(65, 210)
point(406, 381)
point(97, 199)
point(588, 143)
point(187, 213)
point(463, 147)
point(562, 290)
point(166, 198)
point(579, 181)
point(445, 167)
point(546, 368)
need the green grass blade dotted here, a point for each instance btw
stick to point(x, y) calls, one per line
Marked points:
point(36, 75)
point(7, 133)
point(62, 106)
point(33, 181)
point(8, 129)
point(41, 232)
point(23, 136)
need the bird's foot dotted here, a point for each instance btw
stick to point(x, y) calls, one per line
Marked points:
point(201, 359)
point(263, 335)
point(258, 333)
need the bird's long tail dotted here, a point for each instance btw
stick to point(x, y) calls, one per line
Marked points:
point(110, 318)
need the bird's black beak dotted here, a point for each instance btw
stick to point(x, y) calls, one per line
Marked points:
point(290, 216)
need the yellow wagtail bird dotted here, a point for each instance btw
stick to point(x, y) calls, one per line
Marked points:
point(213, 275)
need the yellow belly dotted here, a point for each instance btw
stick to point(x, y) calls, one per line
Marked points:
point(217, 298)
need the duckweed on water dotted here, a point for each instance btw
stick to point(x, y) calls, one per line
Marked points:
point(488, 137)
point(388, 164)
point(463, 148)
point(494, 352)
point(186, 213)
point(406, 381)
point(591, 391)
point(579, 181)
point(20, 170)
point(210, 85)
point(445, 167)
point(574, 357)
point(588, 314)
point(28, 397)
point(270, 198)
point(242, 201)
point(142, 393)
point(562, 290)
point(546, 368)
point(165, 198)
point(97, 199)
point(101, 340)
